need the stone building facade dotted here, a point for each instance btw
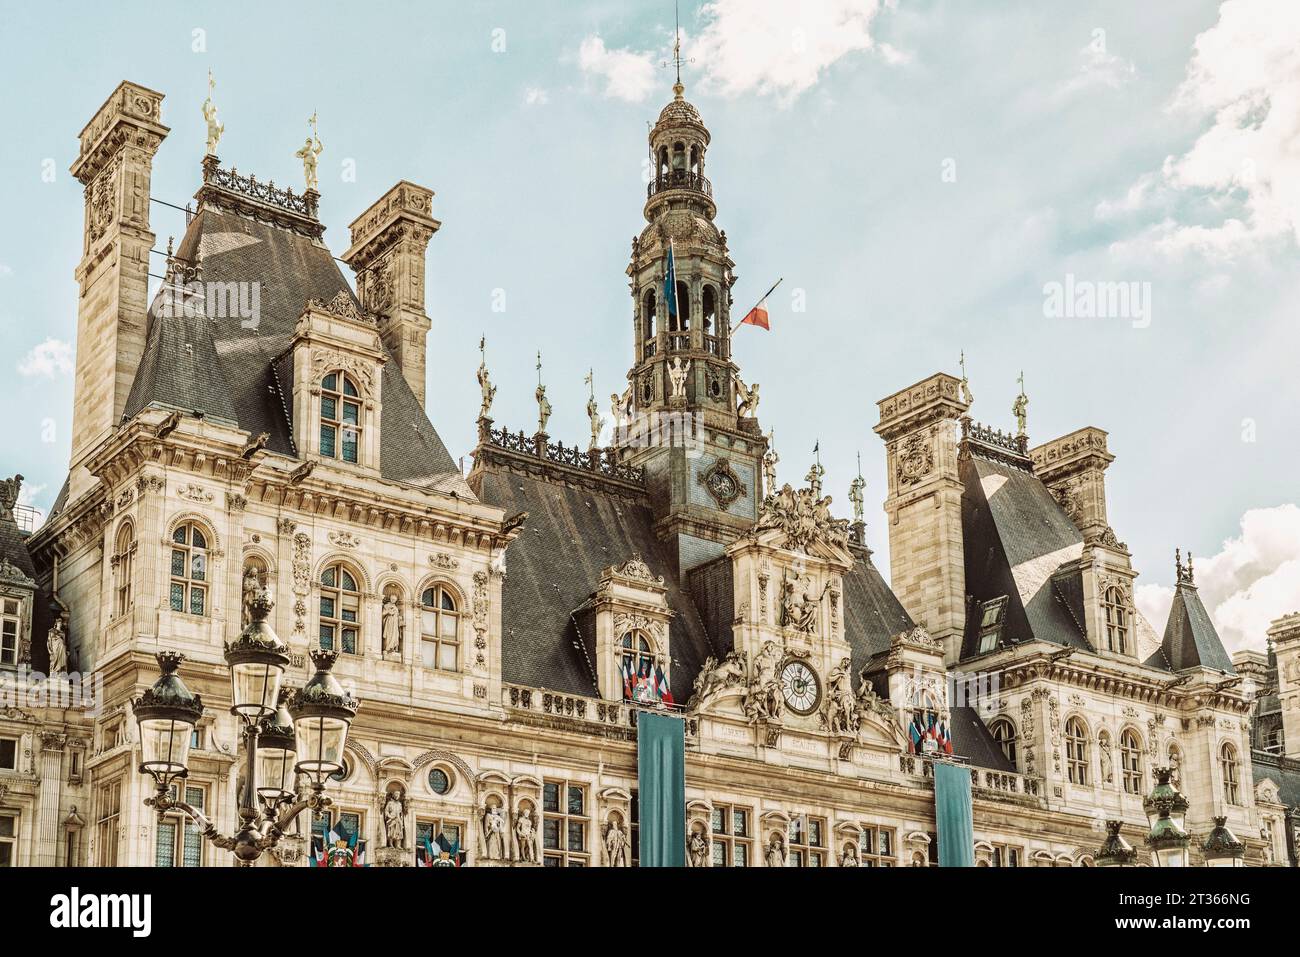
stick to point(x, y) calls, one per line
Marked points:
point(504, 629)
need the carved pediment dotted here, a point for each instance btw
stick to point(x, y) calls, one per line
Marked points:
point(343, 307)
point(801, 521)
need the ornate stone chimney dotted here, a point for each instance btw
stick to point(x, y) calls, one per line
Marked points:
point(114, 165)
point(1073, 468)
point(389, 242)
point(1285, 635)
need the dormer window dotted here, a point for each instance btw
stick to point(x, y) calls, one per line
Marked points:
point(340, 418)
point(1117, 620)
point(641, 679)
point(189, 570)
point(11, 624)
point(992, 615)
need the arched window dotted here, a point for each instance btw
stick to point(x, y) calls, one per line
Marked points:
point(1231, 775)
point(340, 610)
point(682, 321)
point(695, 159)
point(648, 313)
point(189, 571)
point(1117, 620)
point(1130, 759)
point(1076, 752)
point(1004, 733)
point(340, 417)
point(710, 312)
point(663, 162)
point(679, 157)
point(637, 662)
point(439, 629)
point(123, 562)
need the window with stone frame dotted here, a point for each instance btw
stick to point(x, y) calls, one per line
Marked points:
point(565, 823)
point(1117, 620)
point(637, 667)
point(123, 569)
point(1231, 769)
point(877, 846)
point(1004, 733)
point(11, 629)
point(1076, 752)
point(340, 418)
point(1130, 759)
point(179, 840)
point(732, 835)
point(351, 823)
point(8, 754)
point(1007, 855)
point(453, 831)
point(340, 610)
point(189, 570)
point(8, 839)
point(107, 819)
point(439, 629)
point(806, 841)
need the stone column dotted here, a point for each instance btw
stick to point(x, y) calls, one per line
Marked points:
point(47, 807)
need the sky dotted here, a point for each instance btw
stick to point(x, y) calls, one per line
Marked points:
point(927, 177)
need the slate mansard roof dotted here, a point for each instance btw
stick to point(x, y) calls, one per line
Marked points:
point(232, 369)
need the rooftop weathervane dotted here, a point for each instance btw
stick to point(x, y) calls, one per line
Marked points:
point(677, 59)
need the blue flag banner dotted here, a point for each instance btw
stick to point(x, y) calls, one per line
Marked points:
point(661, 777)
point(952, 812)
point(670, 283)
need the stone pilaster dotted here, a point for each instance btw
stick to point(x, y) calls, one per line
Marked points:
point(1285, 635)
point(48, 819)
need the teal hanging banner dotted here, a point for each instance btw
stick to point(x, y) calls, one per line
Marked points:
point(952, 812)
point(661, 776)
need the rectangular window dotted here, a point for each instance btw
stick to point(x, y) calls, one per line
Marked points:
point(196, 601)
point(876, 846)
point(327, 436)
point(1005, 855)
point(564, 824)
point(452, 833)
point(9, 636)
point(731, 835)
point(8, 754)
point(807, 841)
point(8, 839)
point(349, 445)
point(106, 826)
point(180, 841)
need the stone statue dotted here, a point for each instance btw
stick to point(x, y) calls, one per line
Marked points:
point(215, 129)
point(488, 390)
point(801, 602)
point(494, 833)
point(395, 819)
point(776, 850)
point(850, 858)
point(770, 459)
point(254, 584)
point(856, 499)
point(802, 519)
point(1107, 769)
point(615, 844)
point(391, 621)
point(525, 837)
point(308, 154)
point(715, 677)
point(56, 642)
point(543, 408)
point(748, 396)
point(597, 423)
point(1176, 768)
point(840, 712)
point(677, 371)
point(1020, 408)
point(9, 489)
point(697, 850)
point(763, 701)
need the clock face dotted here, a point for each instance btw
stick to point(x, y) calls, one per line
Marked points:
point(800, 688)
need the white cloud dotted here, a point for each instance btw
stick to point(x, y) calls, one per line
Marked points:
point(6, 270)
point(628, 75)
point(52, 357)
point(536, 96)
point(768, 47)
point(1098, 68)
point(1251, 581)
point(27, 494)
point(1244, 80)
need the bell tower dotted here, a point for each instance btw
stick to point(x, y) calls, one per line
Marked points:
point(686, 416)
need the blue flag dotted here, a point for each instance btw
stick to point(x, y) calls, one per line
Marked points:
point(670, 283)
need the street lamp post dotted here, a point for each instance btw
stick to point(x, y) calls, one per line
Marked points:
point(1166, 810)
point(284, 735)
point(1115, 851)
point(1221, 847)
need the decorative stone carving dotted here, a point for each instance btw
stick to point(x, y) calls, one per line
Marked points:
point(56, 643)
point(677, 372)
point(391, 626)
point(494, 833)
point(722, 483)
point(195, 493)
point(697, 847)
point(800, 602)
point(915, 459)
point(444, 561)
point(636, 569)
point(254, 584)
point(775, 853)
point(362, 371)
point(762, 702)
point(802, 518)
point(395, 817)
point(615, 842)
point(344, 539)
point(850, 856)
point(525, 837)
point(716, 677)
point(747, 396)
point(839, 714)
point(770, 460)
point(301, 578)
